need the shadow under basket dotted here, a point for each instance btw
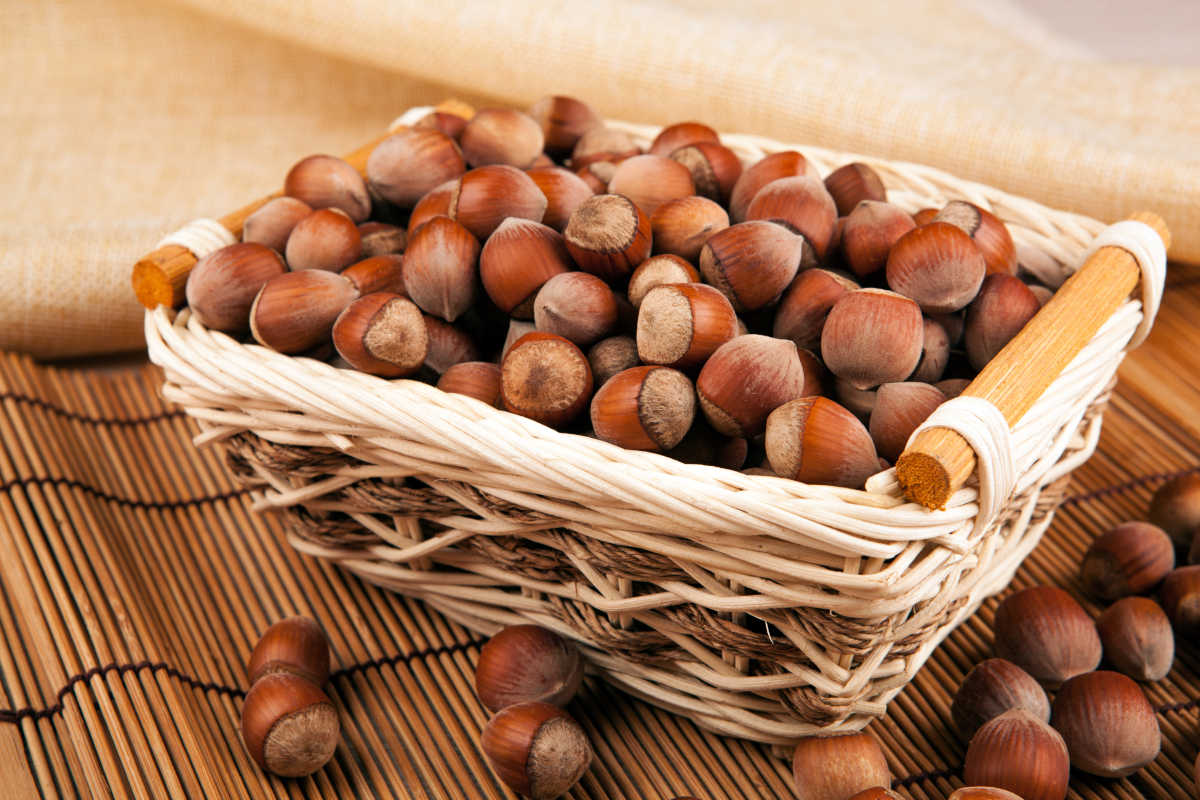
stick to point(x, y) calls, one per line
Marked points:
point(758, 607)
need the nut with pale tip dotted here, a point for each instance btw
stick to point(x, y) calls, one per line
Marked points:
point(501, 136)
point(434, 203)
point(899, 409)
point(803, 308)
point(407, 165)
point(657, 271)
point(937, 265)
point(563, 119)
point(272, 223)
point(1131, 558)
point(294, 312)
point(993, 687)
point(223, 284)
point(935, 353)
point(644, 408)
point(608, 236)
point(326, 239)
point(448, 345)
point(1021, 753)
point(537, 749)
point(609, 356)
point(546, 378)
point(1175, 507)
point(752, 263)
point(801, 203)
point(681, 227)
point(850, 184)
point(868, 234)
point(517, 260)
point(714, 167)
point(602, 143)
point(329, 182)
point(814, 440)
point(838, 767)
point(872, 337)
point(382, 334)
point(649, 181)
point(746, 379)
point(441, 268)
point(564, 190)
point(577, 306)
point(991, 235)
point(1044, 631)
point(289, 725)
point(1137, 638)
point(1108, 724)
point(486, 196)
point(1004, 305)
point(681, 134)
point(783, 164)
point(682, 324)
point(381, 239)
point(377, 274)
point(1180, 596)
point(478, 379)
point(525, 664)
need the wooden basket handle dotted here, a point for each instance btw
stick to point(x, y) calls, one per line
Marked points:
point(939, 461)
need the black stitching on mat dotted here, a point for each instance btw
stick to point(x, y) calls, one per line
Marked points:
point(917, 777)
point(1117, 488)
point(155, 505)
point(86, 418)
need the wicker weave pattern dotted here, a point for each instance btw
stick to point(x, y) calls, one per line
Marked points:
point(760, 607)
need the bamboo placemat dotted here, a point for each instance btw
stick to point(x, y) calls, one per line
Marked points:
point(134, 579)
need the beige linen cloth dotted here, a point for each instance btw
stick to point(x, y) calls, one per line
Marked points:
point(123, 118)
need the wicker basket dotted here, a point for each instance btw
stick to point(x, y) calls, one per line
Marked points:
point(759, 607)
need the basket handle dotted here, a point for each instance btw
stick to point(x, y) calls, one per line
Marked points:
point(938, 461)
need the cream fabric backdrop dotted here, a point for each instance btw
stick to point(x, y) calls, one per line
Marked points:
point(124, 119)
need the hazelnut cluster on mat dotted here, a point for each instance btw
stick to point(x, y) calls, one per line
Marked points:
point(672, 299)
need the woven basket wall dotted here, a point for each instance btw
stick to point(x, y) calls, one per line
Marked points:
point(760, 607)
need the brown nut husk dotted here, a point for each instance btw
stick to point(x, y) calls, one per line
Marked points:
point(815, 440)
point(657, 271)
point(982, 793)
point(715, 168)
point(993, 687)
point(289, 725)
point(527, 663)
point(1108, 724)
point(850, 184)
point(563, 120)
point(564, 190)
point(746, 379)
point(296, 645)
point(935, 353)
point(1049, 635)
point(517, 260)
point(377, 274)
point(650, 181)
point(1004, 305)
point(612, 355)
point(537, 749)
point(1137, 638)
point(434, 203)
point(223, 284)
point(644, 408)
point(899, 409)
point(382, 334)
point(272, 223)
point(601, 143)
point(836, 767)
point(869, 233)
point(681, 134)
point(1181, 599)
point(381, 239)
point(448, 345)
point(1021, 753)
point(1131, 558)
point(486, 196)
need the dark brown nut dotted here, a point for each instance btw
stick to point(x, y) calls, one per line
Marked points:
point(443, 121)
point(993, 687)
point(478, 379)
point(517, 259)
point(680, 325)
point(1108, 724)
point(869, 233)
point(802, 204)
point(990, 234)
point(836, 767)
point(783, 164)
point(935, 353)
point(649, 181)
point(657, 271)
point(441, 268)
point(565, 191)
point(501, 136)
point(272, 223)
point(296, 645)
point(329, 182)
point(714, 167)
point(546, 378)
point(681, 227)
point(937, 265)
point(577, 306)
point(850, 184)
point(1175, 508)
point(295, 311)
point(871, 337)
point(1049, 635)
point(448, 345)
point(745, 380)
point(602, 143)
point(1003, 307)
point(527, 663)
point(752, 263)
point(381, 239)
point(289, 725)
point(1021, 753)
point(537, 749)
point(486, 196)
point(644, 408)
point(1181, 600)
point(222, 286)
point(899, 409)
point(806, 303)
point(1131, 558)
point(681, 134)
point(1137, 638)
point(434, 203)
point(612, 355)
point(608, 236)
point(407, 165)
point(815, 440)
point(382, 334)
point(326, 239)
point(377, 274)
point(563, 120)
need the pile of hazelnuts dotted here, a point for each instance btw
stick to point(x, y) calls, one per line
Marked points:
point(674, 300)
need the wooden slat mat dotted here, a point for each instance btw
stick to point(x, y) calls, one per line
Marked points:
point(134, 580)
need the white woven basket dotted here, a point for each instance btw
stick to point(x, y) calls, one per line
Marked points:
point(760, 607)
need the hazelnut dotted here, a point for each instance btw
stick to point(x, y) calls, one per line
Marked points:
point(602, 143)
point(1181, 600)
point(814, 440)
point(608, 236)
point(1175, 508)
point(953, 387)
point(869, 233)
point(860, 402)
point(296, 645)
point(1131, 558)
point(546, 378)
point(289, 725)
point(752, 263)
point(597, 175)
point(649, 181)
point(577, 306)
point(953, 323)
point(223, 284)
point(610, 356)
point(990, 234)
point(377, 274)
point(382, 334)
point(714, 167)
point(501, 136)
point(448, 345)
point(563, 120)
point(935, 353)
point(899, 409)
point(537, 749)
point(517, 259)
point(441, 268)
point(295, 311)
point(272, 223)
point(872, 336)
point(329, 182)
point(565, 191)
point(746, 379)
point(478, 379)
point(784, 164)
point(836, 767)
point(681, 227)
point(442, 121)
point(1137, 638)
point(1049, 635)
point(434, 203)
point(806, 303)
point(681, 134)
point(993, 687)
point(1108, 724)
point(850, 184)
point(407, 165)
point(802, 204)
point(326, 239)
point(1021, 753)
point(381, 239)
point(657, 271)
point(924, 216)
point(982, 793)
point(876, 793)
point(682, 324)
point(527, 663)
point(937, 265)
point(997, 314)
point(486, 196)
point(644, 408)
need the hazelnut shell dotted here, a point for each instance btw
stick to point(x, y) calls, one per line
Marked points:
point(536, 749)
point(576, 306)
point(816, 441)
point(752, 263)
point(1137, 638)
point(441, 268)
point(871, 337)
point(326, 239)
point(608, 236)
point(681, 227)
point(746, 379)
point(803, 308)
point(1049, 635)
point(681, 325)
point(1021, 753)
point(993, 687)
point(296, 645)
point(272, 223)
point(527, 663)
point(1108, 724)
point(501, 136)
point(1131, 558)
point(546, 378)
point(644, 408)
point(478, 379)
point(223, 284)
point(408, 165)
point(802, 204)
point(1175, 508)
point(382, 334)
point(936, 265)
point(850, 184)
point(486, 196)
point(329, 182)
point(289, 725)
point(837, 767)
point(295, 311)
point(564, 190)
point(517, 260)
point(650, 181)
point(783, 164)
